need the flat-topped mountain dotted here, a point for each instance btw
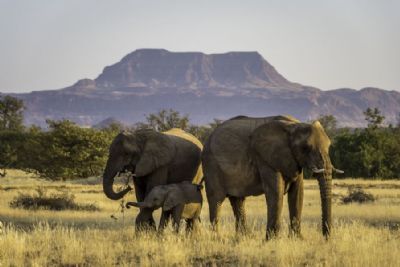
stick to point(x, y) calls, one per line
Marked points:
point(159, 68)
point(205, 86)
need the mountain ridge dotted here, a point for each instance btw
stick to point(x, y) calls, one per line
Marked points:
point(204, 86)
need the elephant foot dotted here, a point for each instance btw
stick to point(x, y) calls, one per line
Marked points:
point(148, 226)
point(214, 229)
point(160, 233)
point(295, 232)
point(271, 234)
point(191, 232)
point(297, 235)
point(145, 229)
point(241, 230)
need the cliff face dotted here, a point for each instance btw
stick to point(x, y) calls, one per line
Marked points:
point(203, 86)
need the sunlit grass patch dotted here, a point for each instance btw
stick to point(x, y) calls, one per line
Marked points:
point(351, 244)
point(363, 235)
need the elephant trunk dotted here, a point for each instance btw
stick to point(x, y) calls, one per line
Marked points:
point(141, 205)
point(325, 186)
point(108, 181)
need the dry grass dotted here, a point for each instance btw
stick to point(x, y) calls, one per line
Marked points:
point(364, 234)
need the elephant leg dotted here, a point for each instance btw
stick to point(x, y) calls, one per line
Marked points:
point(215, 197)
point(164, 220)
point(237, 204)
point(274, 188)
point(214, 205)
point(215, 188)
point(176, 217)
point(143, 185)
point(145, 221)
point(140, 188)
point(190, 223)
point(295, 202)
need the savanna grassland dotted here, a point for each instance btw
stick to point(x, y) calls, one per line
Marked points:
point(364, 234)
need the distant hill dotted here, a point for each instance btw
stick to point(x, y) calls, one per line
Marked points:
point(205, 86)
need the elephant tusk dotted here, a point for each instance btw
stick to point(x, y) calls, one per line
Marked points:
point(315, 170)
point(337, 170)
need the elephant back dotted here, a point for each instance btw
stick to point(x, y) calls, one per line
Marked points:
point(191, 138)
point(185, 135)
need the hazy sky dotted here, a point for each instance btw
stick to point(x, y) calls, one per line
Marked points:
point(50, 44)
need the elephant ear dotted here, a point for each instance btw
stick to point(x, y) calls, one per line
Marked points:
point(157, 152)
point(270, 143)
point(173, 198)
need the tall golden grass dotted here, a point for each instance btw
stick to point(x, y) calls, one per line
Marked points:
point(364, 234)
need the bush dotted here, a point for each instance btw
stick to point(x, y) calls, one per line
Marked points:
point(358, 195)
point(65, 151)
point(54, 201)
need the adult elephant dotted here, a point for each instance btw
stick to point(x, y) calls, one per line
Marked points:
point(155, 159)
point(252, 156)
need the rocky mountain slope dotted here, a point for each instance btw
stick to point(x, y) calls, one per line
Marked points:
point(205, 86)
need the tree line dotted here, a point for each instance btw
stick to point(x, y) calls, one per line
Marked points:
point(371, 152)
point(64, 150)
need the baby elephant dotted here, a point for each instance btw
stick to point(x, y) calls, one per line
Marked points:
point(182, 200)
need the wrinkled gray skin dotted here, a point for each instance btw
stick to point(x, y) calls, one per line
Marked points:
point(252, 156)
point(181, 201)
point(155, 159)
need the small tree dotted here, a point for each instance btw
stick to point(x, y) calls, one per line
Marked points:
point(203, 132)
point(215, 123)
point(11, 113)
point(329, 123)
point(374, 118)
point(11, 143)
point(11, 117)
point(398, 120)
point(165, 120)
